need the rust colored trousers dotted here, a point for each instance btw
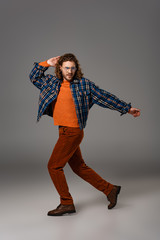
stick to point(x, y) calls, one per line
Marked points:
point(67, 149)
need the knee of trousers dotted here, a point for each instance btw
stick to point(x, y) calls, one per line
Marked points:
point(53, 168)
point(79, 169)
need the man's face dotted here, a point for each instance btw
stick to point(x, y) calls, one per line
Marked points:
point(68, 69)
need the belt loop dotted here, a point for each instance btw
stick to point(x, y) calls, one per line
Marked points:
point(65, 129)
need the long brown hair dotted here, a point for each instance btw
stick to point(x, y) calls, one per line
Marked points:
point(68, 57)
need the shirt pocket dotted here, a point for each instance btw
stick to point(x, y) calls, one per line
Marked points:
point(84, 93)
point(85, 97)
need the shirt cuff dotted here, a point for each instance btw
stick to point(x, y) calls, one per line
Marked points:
point(126, 109)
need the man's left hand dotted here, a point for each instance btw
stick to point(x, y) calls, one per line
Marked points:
point(134, 111)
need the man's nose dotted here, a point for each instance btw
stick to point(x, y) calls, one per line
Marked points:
point(69, 70)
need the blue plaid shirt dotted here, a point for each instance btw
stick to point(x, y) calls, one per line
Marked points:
point(85, 94)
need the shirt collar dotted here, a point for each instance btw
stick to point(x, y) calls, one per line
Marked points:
point(74, 80)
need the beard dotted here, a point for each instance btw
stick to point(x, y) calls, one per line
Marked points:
point(68, 76)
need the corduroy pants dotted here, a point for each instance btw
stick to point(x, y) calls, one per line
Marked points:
point(67, 149)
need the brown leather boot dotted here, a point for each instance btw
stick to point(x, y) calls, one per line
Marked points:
point(62, 209)
point(112, 196)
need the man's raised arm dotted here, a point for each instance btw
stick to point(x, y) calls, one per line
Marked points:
point(37, 76)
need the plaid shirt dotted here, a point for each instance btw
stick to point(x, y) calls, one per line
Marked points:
point(85, 94)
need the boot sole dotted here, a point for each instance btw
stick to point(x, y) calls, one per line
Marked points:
point(119, 189)
point(61, 214)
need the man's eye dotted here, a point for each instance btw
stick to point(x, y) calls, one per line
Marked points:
point(72, 68)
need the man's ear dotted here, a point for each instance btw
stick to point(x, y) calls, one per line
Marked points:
point(60, 67)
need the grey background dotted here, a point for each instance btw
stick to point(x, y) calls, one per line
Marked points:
point(117, 45)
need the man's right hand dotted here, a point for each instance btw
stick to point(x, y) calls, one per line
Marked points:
point(53, 61)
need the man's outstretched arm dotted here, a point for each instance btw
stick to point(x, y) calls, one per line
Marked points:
point(107, 100)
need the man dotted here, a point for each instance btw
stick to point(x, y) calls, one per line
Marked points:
point(67, 97)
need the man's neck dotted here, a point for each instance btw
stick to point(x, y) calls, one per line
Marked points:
point(65, 80)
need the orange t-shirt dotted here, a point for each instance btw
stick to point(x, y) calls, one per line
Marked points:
point(64, 111)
